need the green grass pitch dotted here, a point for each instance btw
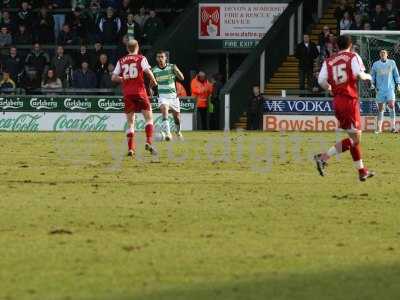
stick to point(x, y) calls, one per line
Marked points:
point(80, 221)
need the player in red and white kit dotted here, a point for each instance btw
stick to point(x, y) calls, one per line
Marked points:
point(130, 71)
point(339, 75)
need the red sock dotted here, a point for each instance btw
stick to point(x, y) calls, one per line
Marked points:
point(131, 140)
point(149, 133)
point(356, 152)
point(344, 145)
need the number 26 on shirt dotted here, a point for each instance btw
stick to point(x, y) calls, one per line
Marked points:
point(130, 71)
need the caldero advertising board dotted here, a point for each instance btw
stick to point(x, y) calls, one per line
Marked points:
point(314, 114)
point(242, 21)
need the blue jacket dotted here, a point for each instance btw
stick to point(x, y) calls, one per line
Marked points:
point(86, 80)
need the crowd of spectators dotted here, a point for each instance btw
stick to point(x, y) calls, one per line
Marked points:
point(368, 15)
point(47, 42)
point(361, 15)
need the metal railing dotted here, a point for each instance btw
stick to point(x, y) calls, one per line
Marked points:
point(260, 65)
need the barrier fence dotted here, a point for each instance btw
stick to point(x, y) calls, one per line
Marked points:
point(314, 114)
point(80, 113)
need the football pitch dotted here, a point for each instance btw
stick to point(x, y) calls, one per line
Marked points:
point(218, 216)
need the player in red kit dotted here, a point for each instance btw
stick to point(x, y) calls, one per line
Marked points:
point(339, 75)
point(130, 71)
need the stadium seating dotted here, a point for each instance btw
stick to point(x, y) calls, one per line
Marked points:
point(43, 22)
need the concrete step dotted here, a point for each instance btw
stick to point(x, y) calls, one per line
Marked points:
point(321, 26)
point(318, 31)
point(328, 16)
point(288, 69)
point(328, 21)
point(280, 86)
point(290, 64)
point(284, 80)
point(285, 75)
point(291, 58)
point(270, 92)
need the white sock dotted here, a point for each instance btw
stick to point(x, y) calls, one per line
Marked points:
point(359, 164)
point(393, 117)
point(332, 151)
point(166, 126)
point(380, 121)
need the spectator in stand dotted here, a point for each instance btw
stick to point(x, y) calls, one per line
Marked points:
point(78, 24)
point(110, 27)
point(316, 87)
point(44, 27)
point(79, 4)
point(114, 4)
point(131, 28)
point(137, 4)
point(101, 67)
point(392, 16)
point(82, 56)
point(141, 17)
point(25, 14)
point(152, 28)
point(125, 9)
point(367, 26)
point(378, 18)
point(51, 81)
point(324, 37)
point(306, 53)
point(202, 90)
point(13, 64)
point(358, 22)
point(362, 6)
point(218, 83)
point(345, 22)
point(98, 50)
point(341, 9)
point(62, 65)
point(8, 4)
point(38, 61)
point(331, 46)
point(7, 85)
point(5, 37)
point(105, 81)
point(254, 109)
point(7, 21)
point(93, 20)
point(31, 81)
point(59, 16)
point(84, 78)
point(121, 49)
point(22, 37)
point(66, 36)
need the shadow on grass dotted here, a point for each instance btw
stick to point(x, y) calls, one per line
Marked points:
point(380, 283)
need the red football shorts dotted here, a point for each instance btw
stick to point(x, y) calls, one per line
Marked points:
point(347, 111)
point(136, 104)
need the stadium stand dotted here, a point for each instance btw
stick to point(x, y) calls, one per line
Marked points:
point(362, 15)
point(39, 35)
point(342, 14)
point(36, 36)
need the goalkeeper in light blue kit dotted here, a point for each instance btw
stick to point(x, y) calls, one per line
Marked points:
point(385, 79)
